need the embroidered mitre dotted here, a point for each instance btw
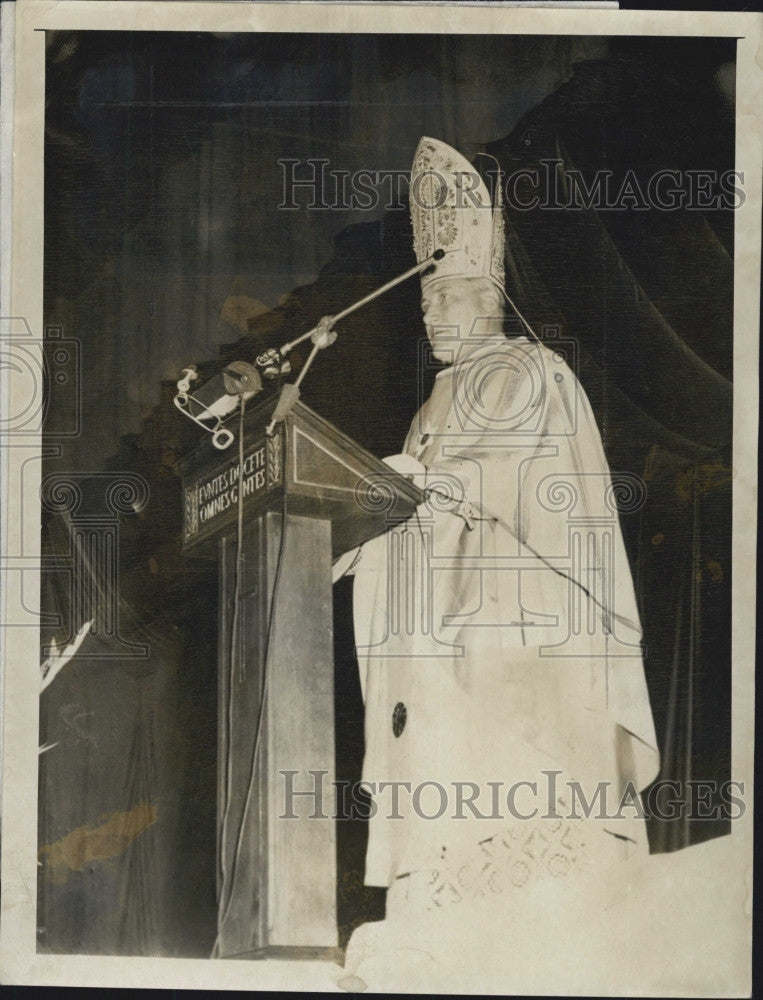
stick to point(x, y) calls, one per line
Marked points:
point(451, 210)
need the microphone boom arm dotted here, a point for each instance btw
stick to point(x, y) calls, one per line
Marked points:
point(323, 335)
point(331, 320)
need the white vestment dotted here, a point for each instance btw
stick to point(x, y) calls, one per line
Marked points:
point(497, 632)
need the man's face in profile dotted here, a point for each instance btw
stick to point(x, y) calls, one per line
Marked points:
point(457, 309)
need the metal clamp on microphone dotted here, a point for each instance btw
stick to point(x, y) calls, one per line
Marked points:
point(272, 364)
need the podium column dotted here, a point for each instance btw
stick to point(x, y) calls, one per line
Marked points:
point(277, 867)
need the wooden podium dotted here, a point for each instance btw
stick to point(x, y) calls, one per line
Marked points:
point(309, 495)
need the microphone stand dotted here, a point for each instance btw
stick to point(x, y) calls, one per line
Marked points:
point(323, 335)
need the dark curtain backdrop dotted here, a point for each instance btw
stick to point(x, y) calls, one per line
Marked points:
point(165, 245)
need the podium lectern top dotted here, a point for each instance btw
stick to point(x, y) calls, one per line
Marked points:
point(307, 467)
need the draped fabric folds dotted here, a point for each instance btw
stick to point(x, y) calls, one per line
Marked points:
point(517, 649)
point(124, 733)
point(648, 296)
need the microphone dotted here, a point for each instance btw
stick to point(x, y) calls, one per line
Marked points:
point(437, 255)
point(218, 397)
point(242, 379)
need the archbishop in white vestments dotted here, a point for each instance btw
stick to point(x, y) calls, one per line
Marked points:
point(507, 721)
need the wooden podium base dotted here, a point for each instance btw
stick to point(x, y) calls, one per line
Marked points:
point(277, 863)
point(305, 495)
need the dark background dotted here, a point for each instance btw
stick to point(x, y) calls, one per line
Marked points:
point(164, 245)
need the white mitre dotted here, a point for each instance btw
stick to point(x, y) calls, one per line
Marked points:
point(451, 210)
